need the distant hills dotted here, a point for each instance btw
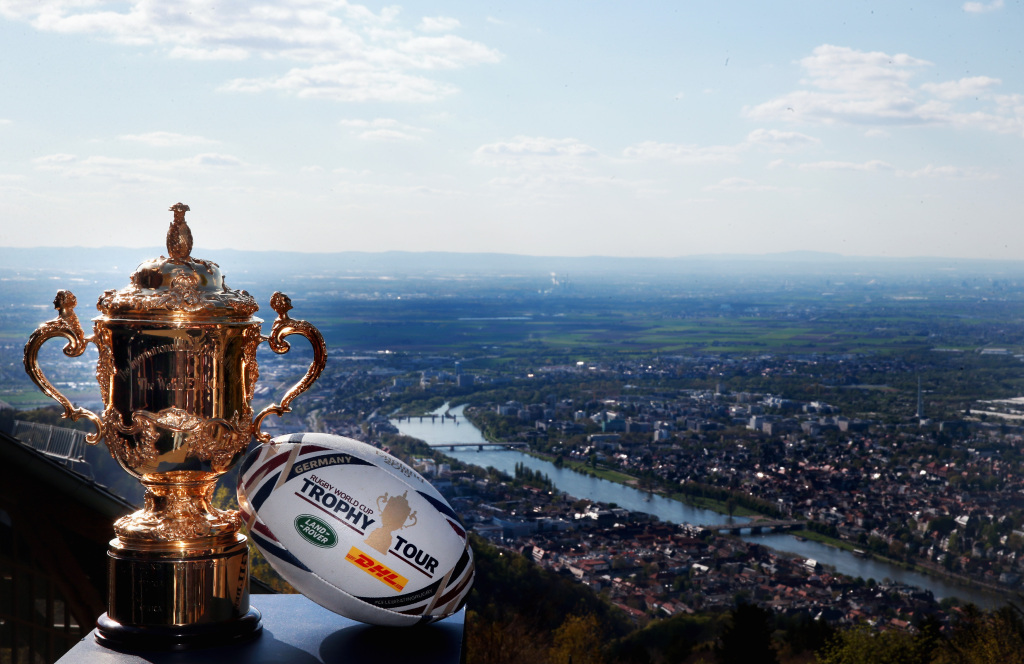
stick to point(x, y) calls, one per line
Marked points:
point(122, 261)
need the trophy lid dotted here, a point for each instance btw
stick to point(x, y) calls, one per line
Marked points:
point(177, 285)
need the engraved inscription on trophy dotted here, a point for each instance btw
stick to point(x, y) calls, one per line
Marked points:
point(182, 371)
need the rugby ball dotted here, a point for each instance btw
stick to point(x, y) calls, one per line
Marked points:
point(355, 529)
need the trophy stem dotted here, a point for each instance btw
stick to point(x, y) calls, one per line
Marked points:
point(178, 512)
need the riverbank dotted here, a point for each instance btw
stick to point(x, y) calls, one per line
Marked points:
point(603, 472)
point(619, 477)
point(928, 570)
point(588, 487)
point(721, 507)
point(586, 469)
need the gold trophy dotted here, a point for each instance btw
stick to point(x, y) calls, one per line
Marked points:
point(177, 371)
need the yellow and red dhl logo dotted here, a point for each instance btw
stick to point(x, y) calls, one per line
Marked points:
point(375, 569)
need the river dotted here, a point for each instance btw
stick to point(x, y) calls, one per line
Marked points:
point(440, 432)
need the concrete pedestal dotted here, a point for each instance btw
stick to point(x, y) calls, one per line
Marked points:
point(299, 631)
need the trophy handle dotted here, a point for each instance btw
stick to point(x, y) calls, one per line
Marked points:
point(414, 520)
point(285, 326)
point(64, 325)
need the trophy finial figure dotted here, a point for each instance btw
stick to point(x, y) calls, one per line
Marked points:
point(179, 237)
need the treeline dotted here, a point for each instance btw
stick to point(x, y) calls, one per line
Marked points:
point(535, 478)
point(519, 612)
point(728, 496)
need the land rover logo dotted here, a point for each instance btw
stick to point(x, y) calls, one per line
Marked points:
point(315, 531)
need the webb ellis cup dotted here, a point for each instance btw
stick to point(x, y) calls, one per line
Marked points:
point(177, 372)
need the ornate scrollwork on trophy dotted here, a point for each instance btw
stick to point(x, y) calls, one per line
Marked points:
point(133, 445)
point(216, 440)
point(182, 295)
point(178, 510)
point(251, 340)
point(105, 368)
point(222, 441)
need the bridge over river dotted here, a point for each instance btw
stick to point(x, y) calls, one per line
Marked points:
point(433, 417)
point(757, 526)
point(479, 446)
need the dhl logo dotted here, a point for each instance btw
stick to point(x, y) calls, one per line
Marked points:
point(374, 568)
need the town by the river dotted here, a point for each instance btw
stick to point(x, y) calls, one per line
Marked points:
point(441, 432)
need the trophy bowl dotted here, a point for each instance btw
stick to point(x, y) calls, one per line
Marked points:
point(177, 373)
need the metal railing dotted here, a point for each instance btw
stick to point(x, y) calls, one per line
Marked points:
point(58, 443)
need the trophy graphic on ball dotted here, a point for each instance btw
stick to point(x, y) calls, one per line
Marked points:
point(395, 515)
point(177, 373)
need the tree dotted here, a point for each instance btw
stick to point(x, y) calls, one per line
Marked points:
point(980, 637)
point(747, 637)
point(501, 642)
point(577, 641)
point(861, 645)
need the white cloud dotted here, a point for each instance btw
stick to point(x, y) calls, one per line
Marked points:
point(354, 82)
point(556, 182)
point(879, 166)
point(982, 7)
point(555, 168)
point(844, 69)
point(875, 89)
point(445, 52)
point(384, 129)
point(164, 139)
point(438, 24)
point(376, 190)
point(130, 171)
point(963, 88)
point(867, 166)
point(337, 50)
point(224, 53)
point(4, 122)
point(947, 172)
point(535, 152)
point(848, 86)
point(781, 141)
point(683, 154)
point(217, 160)
point(678, 153)
point(739, 185)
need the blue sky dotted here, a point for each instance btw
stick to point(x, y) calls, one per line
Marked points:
point(546, 128)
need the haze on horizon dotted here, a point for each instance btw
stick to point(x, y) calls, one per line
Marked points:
point(575, 129)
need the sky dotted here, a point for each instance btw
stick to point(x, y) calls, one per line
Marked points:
point(568, 128)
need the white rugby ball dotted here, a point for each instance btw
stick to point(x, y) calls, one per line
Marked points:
point(355, 529)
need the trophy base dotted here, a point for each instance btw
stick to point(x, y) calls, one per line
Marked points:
point(128, 638)
point(167, 597)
